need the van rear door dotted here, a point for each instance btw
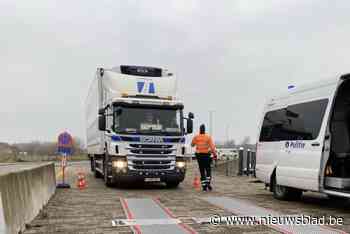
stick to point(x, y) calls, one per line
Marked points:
point(303, 134)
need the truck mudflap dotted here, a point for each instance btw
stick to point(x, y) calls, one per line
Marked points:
point(150, 176)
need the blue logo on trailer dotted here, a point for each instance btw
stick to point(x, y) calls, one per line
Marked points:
point(151, 88)
point(65, 144)
point(141, 86)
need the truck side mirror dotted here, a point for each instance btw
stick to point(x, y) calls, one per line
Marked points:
point(102, 123)
point(190, 115)
point(101, 111)
point(189, 126)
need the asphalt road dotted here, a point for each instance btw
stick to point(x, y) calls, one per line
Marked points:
point(92, 210)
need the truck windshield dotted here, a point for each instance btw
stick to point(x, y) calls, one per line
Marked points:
point(147, 121)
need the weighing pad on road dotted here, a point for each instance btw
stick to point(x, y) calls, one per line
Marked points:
point(244, 208)
point(148, 216)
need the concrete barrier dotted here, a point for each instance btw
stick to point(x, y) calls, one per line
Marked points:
point(2, 218)
point(23, 192)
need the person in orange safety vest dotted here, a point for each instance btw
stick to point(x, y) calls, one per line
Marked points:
point(204, 148)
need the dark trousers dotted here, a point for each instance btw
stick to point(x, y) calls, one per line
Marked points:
point(204, 161)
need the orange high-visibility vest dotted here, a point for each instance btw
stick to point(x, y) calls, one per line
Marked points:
point(204, 143)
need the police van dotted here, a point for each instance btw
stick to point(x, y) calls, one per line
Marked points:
point(304, 140)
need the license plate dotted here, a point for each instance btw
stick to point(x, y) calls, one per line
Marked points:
point(152, 179)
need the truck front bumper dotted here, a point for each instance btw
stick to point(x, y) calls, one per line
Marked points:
point(177, 175)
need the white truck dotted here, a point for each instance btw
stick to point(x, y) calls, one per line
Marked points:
point(304, 140)
point(135, 126)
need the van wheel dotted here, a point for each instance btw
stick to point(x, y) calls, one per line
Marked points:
point(281, 192)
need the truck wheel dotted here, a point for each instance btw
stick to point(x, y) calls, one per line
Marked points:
point(97, 174)
point(108, 181)
point(92, 164)
point(281, 192)
point(172, 184)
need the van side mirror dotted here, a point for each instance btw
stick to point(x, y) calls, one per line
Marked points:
point(101, 111)
point(102, 122)
point(189, 126)
point(190, 115)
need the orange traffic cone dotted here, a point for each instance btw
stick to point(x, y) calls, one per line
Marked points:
point(196, 182)
point(81, 183)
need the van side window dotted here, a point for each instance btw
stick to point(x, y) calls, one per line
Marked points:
point(272, 129)
point(305, 119)
point(296, 122)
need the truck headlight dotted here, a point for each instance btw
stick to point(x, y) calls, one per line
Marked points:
point(119, 164)
point(180, 164)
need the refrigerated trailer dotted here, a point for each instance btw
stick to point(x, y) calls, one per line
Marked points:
point(304, 140)
point(135, 126)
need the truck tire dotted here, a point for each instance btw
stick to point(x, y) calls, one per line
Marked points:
point(92, 163)
point(97, 174)
point(281, 192)
point(172, 184)
point(108, 181)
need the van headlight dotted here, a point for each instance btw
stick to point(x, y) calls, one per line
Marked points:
point(119, 164)
point(180, 164)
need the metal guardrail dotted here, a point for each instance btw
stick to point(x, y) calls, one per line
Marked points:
point(244, 165)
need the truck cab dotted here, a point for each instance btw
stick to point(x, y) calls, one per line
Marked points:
point(141, 127)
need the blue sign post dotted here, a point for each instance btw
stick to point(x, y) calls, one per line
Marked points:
point(65, 148)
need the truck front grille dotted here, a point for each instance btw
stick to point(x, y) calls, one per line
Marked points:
point(154, 157)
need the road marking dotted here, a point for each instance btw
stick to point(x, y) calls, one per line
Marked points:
point(244, 208)
point(2, 218)
point(150, 216)
point(143, 222)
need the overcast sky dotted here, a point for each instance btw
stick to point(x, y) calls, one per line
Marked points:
point(229, 56)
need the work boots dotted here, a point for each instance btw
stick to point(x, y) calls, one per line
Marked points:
point(208, 183)
point(204, 185)
point(209, 187)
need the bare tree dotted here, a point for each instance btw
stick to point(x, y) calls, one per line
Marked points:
point(246, 141)
point(230, 143)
